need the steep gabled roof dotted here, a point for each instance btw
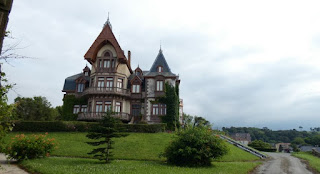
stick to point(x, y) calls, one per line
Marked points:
point(160, 61)
point(106, 36)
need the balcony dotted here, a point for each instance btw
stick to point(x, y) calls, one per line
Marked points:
point(104, 90)
point(98, 116)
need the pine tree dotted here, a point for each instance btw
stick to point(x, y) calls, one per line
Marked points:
point(107, 129)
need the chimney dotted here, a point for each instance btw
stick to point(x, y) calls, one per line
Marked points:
point(129, 58)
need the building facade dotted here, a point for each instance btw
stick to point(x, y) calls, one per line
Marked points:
point(111, 85)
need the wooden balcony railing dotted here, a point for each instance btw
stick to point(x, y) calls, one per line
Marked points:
point(98, 115)
point(105, 90)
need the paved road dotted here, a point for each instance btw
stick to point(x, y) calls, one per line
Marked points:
point(282, 163)
point(7, 168)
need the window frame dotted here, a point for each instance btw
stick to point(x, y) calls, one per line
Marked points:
point(159, 85)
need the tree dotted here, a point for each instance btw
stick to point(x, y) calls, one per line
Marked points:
point(33, 109)
point(195, 147)
point(5, 110)
point(107, 129)
point(298, 141)
point(259, 145)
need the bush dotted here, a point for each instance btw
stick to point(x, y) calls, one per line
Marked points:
point(79, 126)
point(146, 128)
point(30, 147)
point(195, 147)
point(258, 144)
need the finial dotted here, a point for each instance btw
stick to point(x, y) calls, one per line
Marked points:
point(160, 47)
point(108, 22)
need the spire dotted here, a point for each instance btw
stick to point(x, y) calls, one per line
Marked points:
point(160, 61)
point(108, 22)
point(160, 47)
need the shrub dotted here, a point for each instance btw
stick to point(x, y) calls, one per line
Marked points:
point(195, 147)
point(29, 147)
point(80, 126)
point(146, 128)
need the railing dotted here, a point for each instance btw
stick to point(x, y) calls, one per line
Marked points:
point(105, 90)
point(243, 147)
point(98, 116)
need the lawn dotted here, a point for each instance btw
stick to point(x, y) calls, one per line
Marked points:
point(59, 165)
point(136, 153)
point(314, 161)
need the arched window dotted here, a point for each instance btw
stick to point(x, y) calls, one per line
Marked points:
point(160, 69)
point(107, 54)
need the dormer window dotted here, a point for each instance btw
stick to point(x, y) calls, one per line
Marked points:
point(86, 73)
point(160, 69)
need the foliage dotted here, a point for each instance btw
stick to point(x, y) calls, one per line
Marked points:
point(107, 129)
point(148, 128)
point(298, 141)
point(67, 108)
point(80, 126)
point(33, 109)
point(195, 121)
point(5, 109)
point(90, 166)
point(313, 140)
point(195, 147)
point(29, 147)
point(270, 136)
point(262, 146)
point(171, 99)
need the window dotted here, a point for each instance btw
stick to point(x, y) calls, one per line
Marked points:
point(160, 69)
point(159, 86)
point(119, 84)
point(80, 87)
point(86, 73)
point(109, 84)
point(159, 109)
point(98, 106)
point(100, 63)
point(100, 82)
point(76, 109)
point(84, 108)
point(106, 63)
point(107, 106)
point(107, 54)
point(135, 88)
point(118, 107)
point(136, 109)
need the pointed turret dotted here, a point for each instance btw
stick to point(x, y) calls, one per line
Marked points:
point(160, 66)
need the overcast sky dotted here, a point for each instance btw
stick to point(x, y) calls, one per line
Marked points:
point(241, 63)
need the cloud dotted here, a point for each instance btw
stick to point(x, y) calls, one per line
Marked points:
point(241, 63)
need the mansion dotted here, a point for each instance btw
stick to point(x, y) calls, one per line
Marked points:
point(111, 84)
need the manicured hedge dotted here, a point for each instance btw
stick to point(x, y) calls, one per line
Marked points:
point(267, 150)
point(79, 126)
point(148, 128)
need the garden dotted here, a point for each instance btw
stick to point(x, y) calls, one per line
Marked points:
point(135, 153)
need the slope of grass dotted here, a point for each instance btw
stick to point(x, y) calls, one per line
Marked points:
point(237, 154)
point(87, 166)
point(136, 146)
point(314, 161)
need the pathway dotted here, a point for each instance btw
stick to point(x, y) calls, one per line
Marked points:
point(7, 168)
point(282, 163)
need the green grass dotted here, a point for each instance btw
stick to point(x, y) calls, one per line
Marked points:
point(237, 154)
point(60, 165)
point(136, 146)
point(314, 161)
point(136, 153)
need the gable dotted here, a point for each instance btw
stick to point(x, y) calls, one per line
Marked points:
point(106, 36)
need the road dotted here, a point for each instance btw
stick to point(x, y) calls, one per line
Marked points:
point(282, 163)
